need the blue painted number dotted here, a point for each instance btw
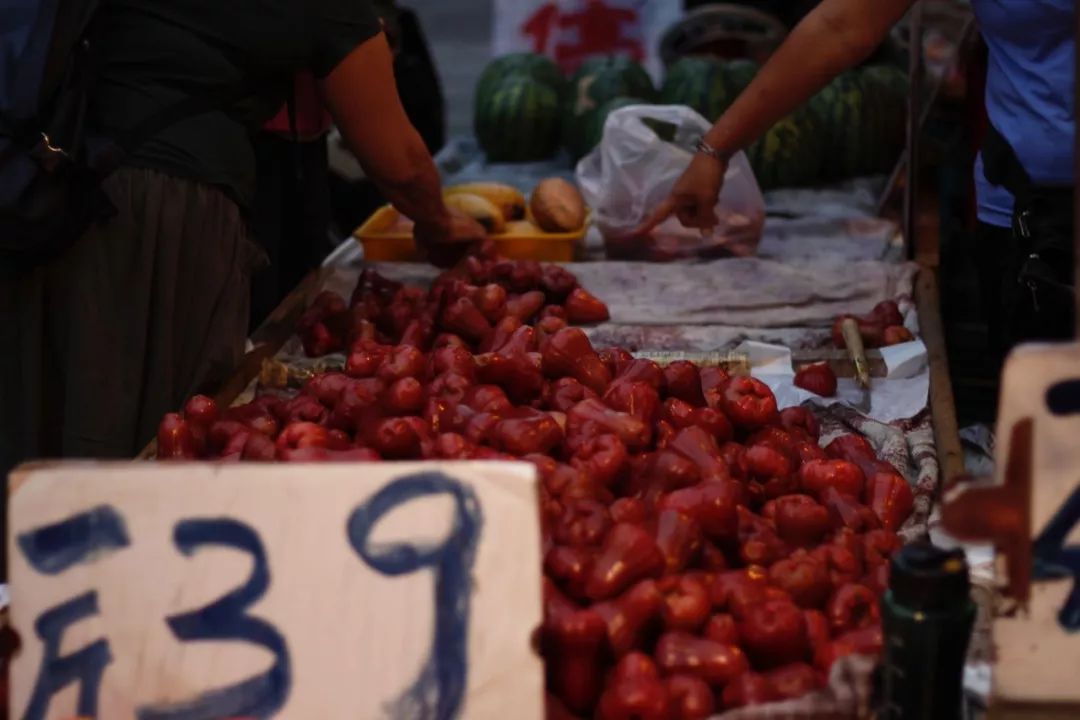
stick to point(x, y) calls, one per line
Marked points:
point(226, 619)
point(50, 550)
point(85, 666)
point(1063, 398)
point(82, 538)
point(439, 690)
point(1052, 560)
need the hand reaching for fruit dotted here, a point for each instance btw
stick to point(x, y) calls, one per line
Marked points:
point(446, 242)
point(693, 199)
point(456, 228)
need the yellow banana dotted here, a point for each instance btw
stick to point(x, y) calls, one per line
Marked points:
point(480, 209)
point(509, 200)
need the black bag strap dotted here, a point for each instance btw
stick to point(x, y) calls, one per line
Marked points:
point(76, 29)
point(1002, 167)
point(73, 25)
point(53, 62)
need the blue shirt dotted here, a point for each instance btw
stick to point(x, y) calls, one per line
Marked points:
point(1029, 92)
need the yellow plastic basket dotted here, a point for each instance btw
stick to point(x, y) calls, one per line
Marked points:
point(388, 237)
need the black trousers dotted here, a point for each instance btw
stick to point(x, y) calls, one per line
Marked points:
point(1013, 315)
point(290, 217)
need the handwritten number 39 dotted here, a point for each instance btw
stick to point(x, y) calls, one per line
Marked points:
point(436, 694)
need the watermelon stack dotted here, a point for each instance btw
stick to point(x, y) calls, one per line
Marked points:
point(740, 73)
point(842, 110)
point(853, 127)
point(889, 77)
point(885, 90)
point(601, 74)
point(863, 113)
point(701, 83)
point(790, 153)
point(597, 83)
point(538, 67)
point(517, 110)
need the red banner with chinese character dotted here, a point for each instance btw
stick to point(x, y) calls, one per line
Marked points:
point(569, 31)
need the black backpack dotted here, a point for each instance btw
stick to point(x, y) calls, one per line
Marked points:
point(50, 165)
point(52, 162)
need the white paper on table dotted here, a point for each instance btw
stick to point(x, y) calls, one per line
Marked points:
point(900, 395)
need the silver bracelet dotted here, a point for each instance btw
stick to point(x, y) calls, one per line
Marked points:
point(706, 149)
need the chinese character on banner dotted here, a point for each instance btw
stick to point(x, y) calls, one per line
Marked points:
point(569, 31)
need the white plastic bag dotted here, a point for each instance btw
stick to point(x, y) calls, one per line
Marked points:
point(633, 170)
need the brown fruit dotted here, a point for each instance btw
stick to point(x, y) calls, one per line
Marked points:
point(557, 206)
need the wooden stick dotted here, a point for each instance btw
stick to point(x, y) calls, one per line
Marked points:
point(942, 402)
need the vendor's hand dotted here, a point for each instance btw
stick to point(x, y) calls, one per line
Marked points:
point(693, 199)
point(446, 242)
point(454, 228)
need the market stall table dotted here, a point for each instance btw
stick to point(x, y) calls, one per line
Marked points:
point(784, 299)
point(790, 304)
point(810, 270)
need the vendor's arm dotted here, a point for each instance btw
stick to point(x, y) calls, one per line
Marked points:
point(362, 95)
point(835, 36)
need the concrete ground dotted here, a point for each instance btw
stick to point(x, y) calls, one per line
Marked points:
point(459, 32)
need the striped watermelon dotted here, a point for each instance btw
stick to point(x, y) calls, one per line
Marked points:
point(863, 114)
point(520, 121)
point(789, 154)
point(590, 129)
point(600, 80)
point(631, 74)
point(842, 110)
point(698, 82)
point(823, 106)
point(890, 77)
point(885, 90)
point(740, 73)
point(538, 67)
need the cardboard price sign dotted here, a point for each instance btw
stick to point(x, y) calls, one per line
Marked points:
point(570, 31)
point(191, 592)
point(1032, 514)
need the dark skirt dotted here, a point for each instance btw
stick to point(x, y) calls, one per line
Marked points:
point(134, 317)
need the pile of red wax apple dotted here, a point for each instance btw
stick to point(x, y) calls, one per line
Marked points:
point(701, 550)
point(881, 327)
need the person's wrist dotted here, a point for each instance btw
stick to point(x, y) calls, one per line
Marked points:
point(707, 149)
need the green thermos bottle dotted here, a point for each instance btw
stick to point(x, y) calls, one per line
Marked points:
point(928, 616)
